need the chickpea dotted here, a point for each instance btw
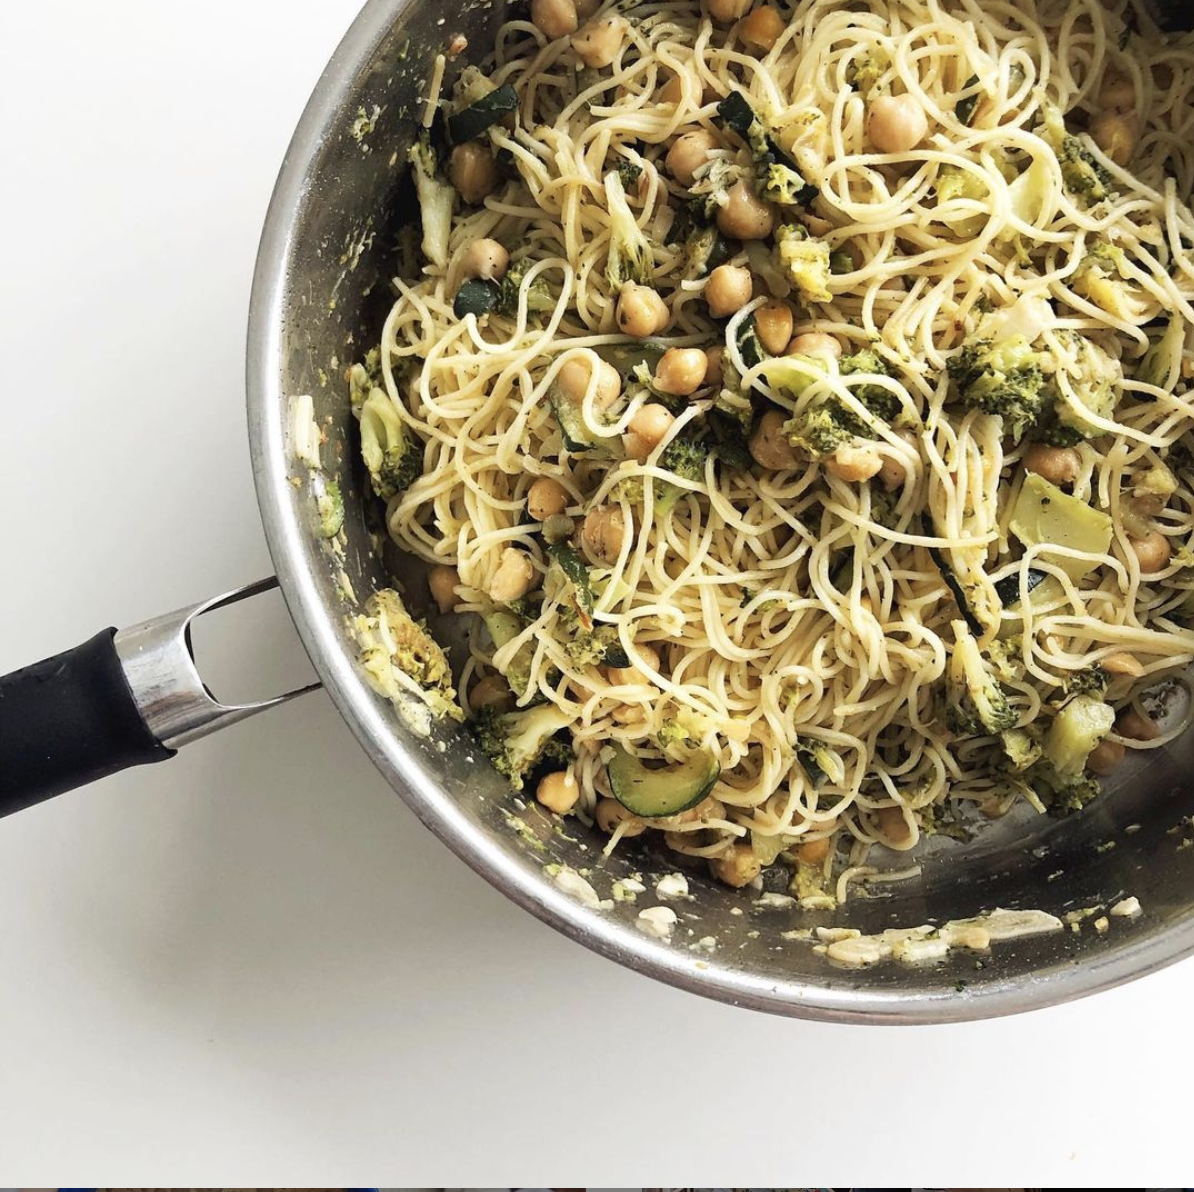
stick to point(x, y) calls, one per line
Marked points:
point(688, 154)
point(726, 12)
point(573, 380)
point(891, 823)
point(1118, 93)
point(1059, 465)
point(745, 216)
point(611, 814)
point(1116, 135)
point(737, 866)
point(602, 533)
point(492, 692)
point(815, 852)
point(1134, 726)
point(1123, 663)
point(473, 171)
point(514, 577)
point(769, 446)
point(816, 343)
point(896, 123)
point(1105, 757)
point(681, 371)
point(597, 45)
point(443, 581)
point(547, 497)
point(672, 92)
point(773, 322)
point(487, 259)
point(728, 289)
point(713, 365)
point(894, 472)
point(554, 18)
point(628, 714)
point(558, 792)
point(629, 676)
point(853, 462)
point(647, 429)
point(1152, 553)
point(762, 28)
point(641, 311)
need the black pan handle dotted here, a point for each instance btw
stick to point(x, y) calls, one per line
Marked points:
point(122, 699)
point(67, 721)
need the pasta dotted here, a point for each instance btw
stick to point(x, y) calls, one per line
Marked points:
point(800, 396)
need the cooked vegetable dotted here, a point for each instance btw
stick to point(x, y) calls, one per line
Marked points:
point(778, 179)
point(1094, 388)
point(965, 108)
point(1044, 515)
point(394, 461)
point(519, 742)
point(652, 793)
point(330, 502)
point(977, 702)
point(630, 257)
point(504, 625)
point(1021, 747)
point(538, 297)
point(393, 643)
point(1063, 793)
point(568, 559)
point(437, 200)
point(1101, 277)
point(1075, 731)
point(471, 122)
point(805, 260)
point(1162, 362)
point(475, 297)
point(1001, 378)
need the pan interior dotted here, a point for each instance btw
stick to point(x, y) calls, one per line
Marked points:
point(320, 297)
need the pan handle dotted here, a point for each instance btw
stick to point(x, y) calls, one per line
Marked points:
point(122, 699)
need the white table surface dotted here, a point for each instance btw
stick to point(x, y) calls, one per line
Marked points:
point(251, 965)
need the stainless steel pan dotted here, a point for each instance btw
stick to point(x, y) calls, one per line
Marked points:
point(130, 698)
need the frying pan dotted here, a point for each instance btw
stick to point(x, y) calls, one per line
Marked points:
point(135, 697)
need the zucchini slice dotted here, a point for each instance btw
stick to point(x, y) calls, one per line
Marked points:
point(1044, 515)
point(568, 559)
point(470, 123)
point(669, 790)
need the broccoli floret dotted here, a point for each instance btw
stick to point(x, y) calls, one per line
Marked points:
point(880, 401)
point(394, 460)
point(330, 502)
point(517, 742)
point(672, 734)
point(782, 184)
point(391, 641)
point(437, 200)
point(685, 455)
point(1101, 278)
point(539, 297)
point(1091, 680)
point(953, 182)
point(630, 257)
point(363, 379)
point(591, 648)
point(1062, 794)
point(1021, 747)
point(805, 261)
point(704, 249)
point(822, 428)
point(1080, 172)
point(865, 71)
point(1001, 378)
point(977, 702)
